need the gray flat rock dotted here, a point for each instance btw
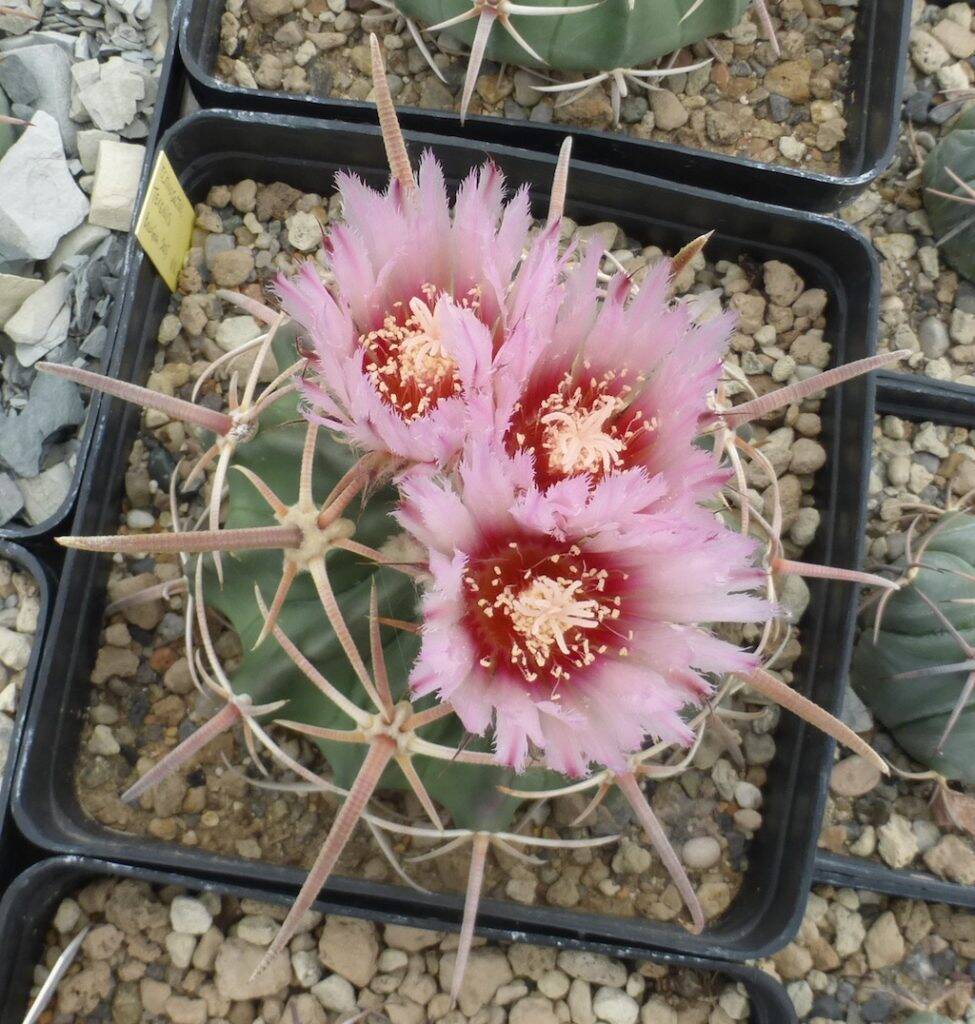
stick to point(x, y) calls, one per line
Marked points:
point(79, 242)
point(45, 493)
point(37, 321)
point(11, 500)
point(39, 200)
point(14, 291)
point(113, 100)
point(40, 77)
point(88, 142)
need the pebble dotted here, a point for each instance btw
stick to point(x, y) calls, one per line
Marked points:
point(231, 269)
point(189, 916)
point(896, 842)
point(103, 742)
point(701, 853)
point(884, 943)
point(854, 776)
point(335, 993)
point(614, 1006)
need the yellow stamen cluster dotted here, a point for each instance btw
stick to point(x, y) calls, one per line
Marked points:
point(583, 429)
point(548, 615)
point(409, 358)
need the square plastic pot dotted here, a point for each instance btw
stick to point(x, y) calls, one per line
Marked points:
point(31, 902)
point(872, 110)
point(919, 399)
point(216, 147)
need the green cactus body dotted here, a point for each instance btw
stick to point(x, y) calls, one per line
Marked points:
point(927, 1018)
point(950, 219)
point(607, 37)
point(917, 710)
point(268, 674)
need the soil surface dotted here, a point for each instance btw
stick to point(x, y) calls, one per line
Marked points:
point(20, 605)
point(860, 956)
point(162, 955)
point(785, 109)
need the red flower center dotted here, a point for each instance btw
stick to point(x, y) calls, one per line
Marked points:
point(405, 359)
point(543, 609)
point(574, 424)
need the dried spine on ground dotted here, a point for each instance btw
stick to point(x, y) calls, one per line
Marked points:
point(445, 419)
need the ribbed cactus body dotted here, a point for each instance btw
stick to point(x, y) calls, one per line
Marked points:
point(608, 36)
point(268, 674)
point(953, 221)
point(912, 638)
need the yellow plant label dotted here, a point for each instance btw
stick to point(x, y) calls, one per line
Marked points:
point(165, 224)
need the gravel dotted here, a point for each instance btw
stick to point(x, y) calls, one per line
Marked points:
point(861, 956)
point(924, 305)
point(85, 77)
point(134, 968)
point(786, 110)
point(19, 609)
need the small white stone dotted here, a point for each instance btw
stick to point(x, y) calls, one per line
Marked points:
point(614, 1006)
point(734, 1003)
point(180, 949)
point(189, 916)
point(335, 993)
point(392, 960)
point(67, 917)
point(748, 795)
point(103, 742)
point(116, 184)
point(308, 971)
point(791, 148)
point(14, 649)
point(701, 853)
point(553, 984)
point(257, 929)
point(139, 519)
point(8, 698)
point(304, 231)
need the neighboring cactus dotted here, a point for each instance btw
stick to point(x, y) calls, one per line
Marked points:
point(914, 663)
point(949, 194)
point(557, 525)
point(615, 39)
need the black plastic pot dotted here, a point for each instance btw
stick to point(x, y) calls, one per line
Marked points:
point(214, 147)
point(30, 904)
point(920, 399)
point(43, 575)
point(872, 111)
point(859, 873)
point(170, 84)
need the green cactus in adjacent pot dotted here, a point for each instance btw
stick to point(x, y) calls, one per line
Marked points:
point(469, 530)
point(914, 663)
point(949, 194)
point(604, 40)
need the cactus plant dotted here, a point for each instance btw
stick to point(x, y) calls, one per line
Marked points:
point(466, 410)
point(949, 193)
point(916, 667)
point(611, 40)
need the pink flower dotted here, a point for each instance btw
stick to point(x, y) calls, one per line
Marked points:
point(424, 293)
point(611, 384)
point(567, 620)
